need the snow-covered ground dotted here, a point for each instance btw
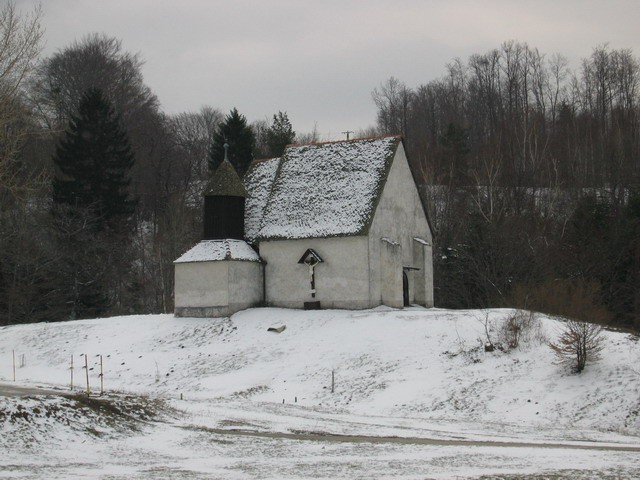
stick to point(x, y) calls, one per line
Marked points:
point(415, 396)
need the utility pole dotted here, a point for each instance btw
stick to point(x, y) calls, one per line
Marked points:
point(347, 133)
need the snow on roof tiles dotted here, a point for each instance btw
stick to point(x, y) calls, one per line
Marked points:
point(258, 181)
point(328, 189)
point(217, 250)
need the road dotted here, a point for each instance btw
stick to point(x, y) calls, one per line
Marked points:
point(328, 437)
point(12, 390)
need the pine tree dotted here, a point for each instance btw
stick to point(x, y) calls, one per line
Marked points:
point(92, 209)
point(93, 163)
point(235, 132)
point(279, 135)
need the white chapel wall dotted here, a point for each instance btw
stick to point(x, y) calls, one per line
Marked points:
point(400, 218)
point(342, 280)
point(245, 285)
point(200, 285)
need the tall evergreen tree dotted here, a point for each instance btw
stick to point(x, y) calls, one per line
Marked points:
point(93, 163)
point(235, 132)
point(93, 209)
point(279, 134)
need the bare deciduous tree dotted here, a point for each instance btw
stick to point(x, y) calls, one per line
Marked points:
point(20, 45)
point(578, 343)
point(193, 133)
point(96, 61)
point(312, 137)
point(393, 100)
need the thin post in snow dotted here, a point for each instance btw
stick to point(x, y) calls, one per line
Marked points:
point(86, 369)
point(101, 378)
point(333, 380)
point(13, 353)
point(71, 369)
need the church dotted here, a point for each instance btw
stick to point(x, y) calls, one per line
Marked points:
point(326, 225)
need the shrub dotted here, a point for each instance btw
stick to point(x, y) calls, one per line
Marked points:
point(520, 326)
point(579, 342)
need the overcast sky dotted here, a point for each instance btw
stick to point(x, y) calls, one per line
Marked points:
point(320, 60)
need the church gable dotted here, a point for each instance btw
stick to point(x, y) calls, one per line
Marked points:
point(327, 190)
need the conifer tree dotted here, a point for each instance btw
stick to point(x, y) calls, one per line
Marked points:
point(279, 135)
point(235, 132)
point(93, 163)
point(93, 209)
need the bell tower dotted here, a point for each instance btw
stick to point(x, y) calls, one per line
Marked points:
point(224, 200)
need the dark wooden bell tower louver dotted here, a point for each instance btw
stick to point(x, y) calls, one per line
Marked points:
point(224, 200)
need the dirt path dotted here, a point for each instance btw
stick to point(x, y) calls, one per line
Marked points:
point(8, 390)
point(322, 437)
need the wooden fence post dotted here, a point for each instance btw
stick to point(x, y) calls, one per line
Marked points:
point(101, 378)
point(86, 369)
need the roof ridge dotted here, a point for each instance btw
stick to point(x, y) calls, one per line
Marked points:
point(379, 137)
point(368, 166)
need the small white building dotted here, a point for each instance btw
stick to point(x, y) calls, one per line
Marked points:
point(217, 278)
point(336, 225)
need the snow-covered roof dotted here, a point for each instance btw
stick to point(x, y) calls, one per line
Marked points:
point(258, 181)
point(327, 189)
point(217, 250)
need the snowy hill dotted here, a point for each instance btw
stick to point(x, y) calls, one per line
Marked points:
point(426, 363)
point(397, 373)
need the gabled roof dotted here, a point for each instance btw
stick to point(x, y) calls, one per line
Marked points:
point(258, 181)
point(327, 189)
point(225, 182)
point(218, 250)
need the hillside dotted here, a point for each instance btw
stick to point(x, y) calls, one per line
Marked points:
point(397, 372)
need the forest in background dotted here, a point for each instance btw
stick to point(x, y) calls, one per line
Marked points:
point(529, 172)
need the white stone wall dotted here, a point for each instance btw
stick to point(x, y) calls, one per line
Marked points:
point(201, 284)
point(390, 278)
point(342, 280)
point(400, 218)
point(217, 288)
point(245, 285)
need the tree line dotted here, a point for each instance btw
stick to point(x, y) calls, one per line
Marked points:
point(99, 189)
point(530, 172)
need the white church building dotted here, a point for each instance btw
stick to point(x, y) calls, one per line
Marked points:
point(328, 225)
